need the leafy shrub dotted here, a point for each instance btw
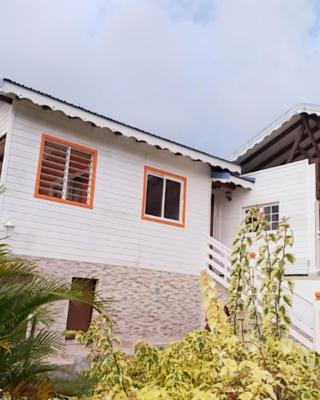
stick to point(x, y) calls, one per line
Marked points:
point(246, 355)
point(82, 385)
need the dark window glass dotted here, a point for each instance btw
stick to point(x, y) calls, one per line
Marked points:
point(2, 144)
point(172, 200)
point(154, 195)
point(272, 217)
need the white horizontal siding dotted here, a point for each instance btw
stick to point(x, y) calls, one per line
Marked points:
point(112, 232)
point(293, 186)
point(5, 110)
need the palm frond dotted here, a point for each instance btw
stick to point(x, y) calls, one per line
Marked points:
point(25, 295)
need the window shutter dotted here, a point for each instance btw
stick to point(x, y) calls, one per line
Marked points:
point(66, 172)
point(52, 175)
point(79, 173)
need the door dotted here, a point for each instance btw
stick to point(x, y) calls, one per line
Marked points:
point(80, 314)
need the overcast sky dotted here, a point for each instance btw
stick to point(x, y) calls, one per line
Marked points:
point(207, 73)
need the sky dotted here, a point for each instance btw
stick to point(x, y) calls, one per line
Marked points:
point(210, 74)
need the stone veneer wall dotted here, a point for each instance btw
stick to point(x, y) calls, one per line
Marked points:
point(152, 305)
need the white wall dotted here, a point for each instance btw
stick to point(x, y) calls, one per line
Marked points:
point(112, 232)
point(5, 109)
point(293, 186)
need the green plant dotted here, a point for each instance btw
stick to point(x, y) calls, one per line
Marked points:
point(246, 356)
point(108, 365)
point(81, 385)
point(26, 341)
point(273, 257)
point(243, 302)
point(273, 319)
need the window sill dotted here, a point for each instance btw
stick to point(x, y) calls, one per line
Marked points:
point(57, 200)
point(178, 224)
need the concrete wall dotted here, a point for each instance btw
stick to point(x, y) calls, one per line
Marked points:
point(157, 306)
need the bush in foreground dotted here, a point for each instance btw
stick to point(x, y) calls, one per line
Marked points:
point(26, 341)
point(246, 355)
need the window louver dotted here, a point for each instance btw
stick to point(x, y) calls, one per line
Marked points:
point(66, 172)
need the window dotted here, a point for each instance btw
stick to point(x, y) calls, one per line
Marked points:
point(271, 215)
point(164, 197)
point(66, 172)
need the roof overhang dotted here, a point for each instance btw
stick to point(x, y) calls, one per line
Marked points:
point(274, 144)
point(237, 181)
point(18, 91)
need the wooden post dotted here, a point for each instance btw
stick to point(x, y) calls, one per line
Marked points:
point(310, 133)
point(295, 146)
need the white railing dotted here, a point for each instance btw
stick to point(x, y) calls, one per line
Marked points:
point(305, 314)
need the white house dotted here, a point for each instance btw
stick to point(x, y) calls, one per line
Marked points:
point(136, 215)
point(283, 161)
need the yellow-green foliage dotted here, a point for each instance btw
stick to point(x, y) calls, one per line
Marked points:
point(246, 356)
point(205, 366)
point(216, 317)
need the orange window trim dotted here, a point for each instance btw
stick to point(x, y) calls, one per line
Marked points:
point(160, 220)
point(94, 154)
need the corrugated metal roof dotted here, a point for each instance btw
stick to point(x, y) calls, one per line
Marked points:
point(226, 177)
point(274, 129)
point(21, 91)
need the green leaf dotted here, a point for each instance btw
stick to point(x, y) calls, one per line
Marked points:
point(290, 258)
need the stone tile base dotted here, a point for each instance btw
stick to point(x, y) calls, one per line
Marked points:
point(152, 305)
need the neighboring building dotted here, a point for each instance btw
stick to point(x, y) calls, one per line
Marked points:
point(284, 162)
point(91, 198)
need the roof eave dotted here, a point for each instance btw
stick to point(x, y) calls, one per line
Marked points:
point(11, 88)
point(248, 148)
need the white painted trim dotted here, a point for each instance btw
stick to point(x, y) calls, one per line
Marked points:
point(40, 99)
point(8, 144)
point(66, 172)
point(6, 156)
point(312, 219)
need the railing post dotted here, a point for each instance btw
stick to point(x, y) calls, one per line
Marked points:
point(316, 327)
